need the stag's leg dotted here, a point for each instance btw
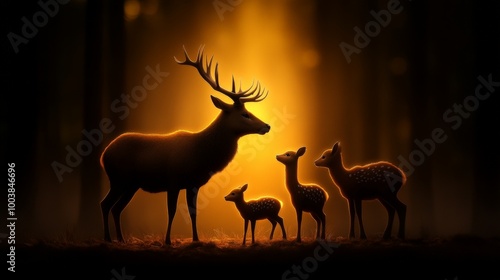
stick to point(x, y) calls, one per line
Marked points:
point(172, 196)
point(252, 224)
point(111, 198)
point(390, 212)
point(359, 212)
point(352, 214)
point(118, 208)
point(191, 196)
point(273, 222)
point(299, 223)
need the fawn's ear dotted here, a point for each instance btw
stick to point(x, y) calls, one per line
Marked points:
point(301, 151)
point(244, 188)
point(335, 147)
point(220, 104)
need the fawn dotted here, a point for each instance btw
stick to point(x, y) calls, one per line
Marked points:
point(182, 159)
point(259, 209)
point(305, 198)
point(380, 180)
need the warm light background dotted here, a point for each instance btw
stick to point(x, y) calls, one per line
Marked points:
point(273, 42)
point(393, 92)
point(258, 41)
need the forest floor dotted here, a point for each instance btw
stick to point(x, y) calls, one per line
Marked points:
point(454, 258)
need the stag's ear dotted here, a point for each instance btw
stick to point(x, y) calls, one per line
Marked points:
point(244, 188)
point(301, 151)
point(220, 104)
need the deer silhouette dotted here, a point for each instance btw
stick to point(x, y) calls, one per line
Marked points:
point(259, 209)
point(380, 180)
point(305, 198)
point(181, 159)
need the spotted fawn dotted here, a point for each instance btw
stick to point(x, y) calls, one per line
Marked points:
point(309, 198)
point(259, 209)
point(379, 180)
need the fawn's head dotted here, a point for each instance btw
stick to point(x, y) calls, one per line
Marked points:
point(327, 157)
point(233, 116)
point(291, 157)
point(236, 194)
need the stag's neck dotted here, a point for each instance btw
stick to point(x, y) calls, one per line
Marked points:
point(291, 177)
point(219, 144)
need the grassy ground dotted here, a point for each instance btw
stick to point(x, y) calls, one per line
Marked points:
point(459, 257)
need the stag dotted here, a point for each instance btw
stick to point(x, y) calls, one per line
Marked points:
point(182, 159)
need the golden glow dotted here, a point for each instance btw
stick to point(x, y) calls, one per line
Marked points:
point(132, 9)
point(310, 58)
point(261, 41)
point(149, 7)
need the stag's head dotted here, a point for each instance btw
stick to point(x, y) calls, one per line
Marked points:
point(234, 116)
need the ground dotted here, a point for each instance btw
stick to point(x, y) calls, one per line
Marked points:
point(457, 257)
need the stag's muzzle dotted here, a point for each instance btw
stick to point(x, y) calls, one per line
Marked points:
point(265, 129)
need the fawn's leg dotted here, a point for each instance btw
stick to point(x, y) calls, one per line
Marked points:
point(252, 223)
point(318, 224)
point(352, 214)
point(359, 212)
point(282, 225)
point(299, 222)
point(390, 212)
point(401, 209)
point(245, 231)
point(273, 222)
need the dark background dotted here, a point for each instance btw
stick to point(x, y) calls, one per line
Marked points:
point(394, 91)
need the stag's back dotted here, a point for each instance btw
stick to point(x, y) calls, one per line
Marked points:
point(157, 161)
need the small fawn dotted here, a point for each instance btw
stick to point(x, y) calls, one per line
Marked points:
point(305, 198)
point(380, 180)
point(259, 209)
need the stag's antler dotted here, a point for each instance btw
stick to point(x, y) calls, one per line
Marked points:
point(239, 97)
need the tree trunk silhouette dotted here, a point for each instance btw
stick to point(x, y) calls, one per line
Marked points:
point(89, 216)
point(486, 210)
point(420, 180)
point(104, 70)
